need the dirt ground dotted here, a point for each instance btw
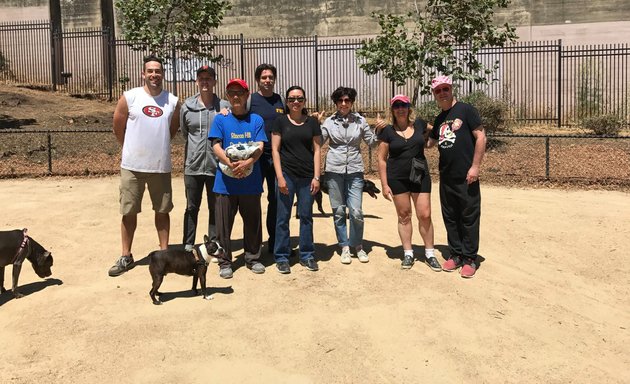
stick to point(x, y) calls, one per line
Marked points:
point(550, 302)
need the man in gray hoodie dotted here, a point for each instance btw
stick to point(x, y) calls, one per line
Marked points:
point(196, 117)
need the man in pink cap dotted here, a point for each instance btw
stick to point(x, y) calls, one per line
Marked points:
point(238, 181)
point(461, 140)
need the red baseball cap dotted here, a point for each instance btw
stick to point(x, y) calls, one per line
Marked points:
point(240, 82)
point(401, 98)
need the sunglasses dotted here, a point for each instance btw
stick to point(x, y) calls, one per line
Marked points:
point(295, 99)
point(346, 100)
point(437, 91)
point(400, 105)
point(233, 93)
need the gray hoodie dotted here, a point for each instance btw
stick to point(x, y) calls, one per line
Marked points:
point(195, 122)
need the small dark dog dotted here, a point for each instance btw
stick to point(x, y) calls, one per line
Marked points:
point(184, 263)
point(15, 247)
point(368, 187)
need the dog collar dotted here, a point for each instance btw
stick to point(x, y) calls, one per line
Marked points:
point(20, 250)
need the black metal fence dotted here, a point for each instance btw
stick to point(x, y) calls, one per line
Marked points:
point(543, 82)
point(584, 159)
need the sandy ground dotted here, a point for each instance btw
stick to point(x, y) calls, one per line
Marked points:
point(550, 303)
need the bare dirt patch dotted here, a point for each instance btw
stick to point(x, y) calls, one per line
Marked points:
point(24, 108)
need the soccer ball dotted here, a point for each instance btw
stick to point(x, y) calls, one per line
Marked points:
point(240, 151)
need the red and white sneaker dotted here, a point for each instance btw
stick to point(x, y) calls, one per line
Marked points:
point(468, 269)
point(452, 264)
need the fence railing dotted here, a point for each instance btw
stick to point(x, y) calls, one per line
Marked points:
point(588, 159)
point(543, 82)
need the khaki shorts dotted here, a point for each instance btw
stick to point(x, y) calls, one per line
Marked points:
point(132, 189)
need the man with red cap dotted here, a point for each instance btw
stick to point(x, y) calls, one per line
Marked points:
point(237, 140)
point(461, 140)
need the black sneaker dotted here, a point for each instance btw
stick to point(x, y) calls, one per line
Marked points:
point(433, 263)
point(310, 264)
point(407, 262)
point(283, 267)
point(123, 264)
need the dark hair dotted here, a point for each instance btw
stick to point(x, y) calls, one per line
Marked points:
point(149, 58)
point(343, 91)
point(286, 96)
point(262, 67)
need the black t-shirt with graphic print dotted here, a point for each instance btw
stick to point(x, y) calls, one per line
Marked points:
point(453, 131)
point(296, 146)
point(401, 151)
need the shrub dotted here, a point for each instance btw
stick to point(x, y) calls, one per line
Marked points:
point(609, 124)
point(428, 111)
point(494, 113)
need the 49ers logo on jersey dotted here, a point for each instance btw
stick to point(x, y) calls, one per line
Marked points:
point(152, 111)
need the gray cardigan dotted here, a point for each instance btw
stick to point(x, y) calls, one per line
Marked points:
point(195, 122)
point(344, 136)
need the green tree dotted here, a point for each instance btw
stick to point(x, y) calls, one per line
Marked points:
point(444, 37)
point(156, 24)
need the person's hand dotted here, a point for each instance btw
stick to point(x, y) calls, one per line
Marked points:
point(380, 123)
point(282, 185)
point(224, 111)
point(314, 186)
point(319, 116)
point(241, 167)
point(387, 192)
point(472, 175)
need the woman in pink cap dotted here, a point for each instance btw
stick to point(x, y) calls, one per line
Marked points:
point(400, 143)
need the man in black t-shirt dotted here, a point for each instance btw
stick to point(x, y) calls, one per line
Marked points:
point(268, 105)
point(461, 140)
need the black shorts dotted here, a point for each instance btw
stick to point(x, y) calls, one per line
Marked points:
point(403, 185)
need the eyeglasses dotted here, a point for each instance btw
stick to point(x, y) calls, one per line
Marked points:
point(232, 93)
point(346, 100)
point(437, 91)
point(295, 99)
point(400, 105)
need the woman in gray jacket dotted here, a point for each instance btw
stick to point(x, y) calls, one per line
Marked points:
point(200, 163)
point(344, 171)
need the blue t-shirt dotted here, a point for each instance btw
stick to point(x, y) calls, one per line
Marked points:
point(232, 130)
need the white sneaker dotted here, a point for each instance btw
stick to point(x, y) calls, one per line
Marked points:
point(346, 257)
point(362, 255)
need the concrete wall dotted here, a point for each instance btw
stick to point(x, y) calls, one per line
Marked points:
point(574, 21)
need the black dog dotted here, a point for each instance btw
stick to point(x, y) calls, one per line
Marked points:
point(15, 247)
point(368, 187)
point(185, 263)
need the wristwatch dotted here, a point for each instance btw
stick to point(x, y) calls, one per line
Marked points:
point(316, 178)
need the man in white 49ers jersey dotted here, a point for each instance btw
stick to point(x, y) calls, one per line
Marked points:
point(145, 120)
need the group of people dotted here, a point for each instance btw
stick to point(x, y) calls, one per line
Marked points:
point(284, 144)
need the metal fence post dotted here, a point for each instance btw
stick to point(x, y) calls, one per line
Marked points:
point(547, 157)
point(242, 45)
point(559, 83)
point(49, 153)
point(174, 61)
point(316, 77)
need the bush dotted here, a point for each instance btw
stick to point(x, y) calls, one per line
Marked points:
point(428, 111)
point(609, 124)
point(494, 112)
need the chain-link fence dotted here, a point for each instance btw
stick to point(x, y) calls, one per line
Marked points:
point(584, 159)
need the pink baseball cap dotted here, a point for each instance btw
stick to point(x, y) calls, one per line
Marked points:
point(240, 82)
point(441, 80)
point(401, 98)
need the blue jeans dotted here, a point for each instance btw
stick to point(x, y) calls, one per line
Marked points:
point(302, 188)
point(346, 190)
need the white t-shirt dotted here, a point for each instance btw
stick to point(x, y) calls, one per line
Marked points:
point(147, 146)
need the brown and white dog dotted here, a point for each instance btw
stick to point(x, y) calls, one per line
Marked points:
point(182, 262)
point(15, 247)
